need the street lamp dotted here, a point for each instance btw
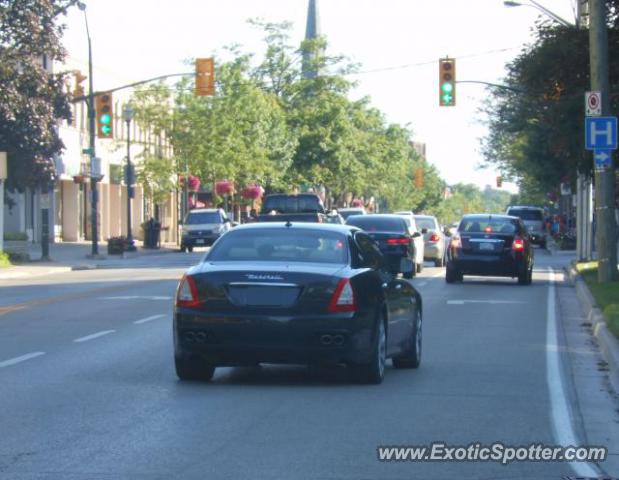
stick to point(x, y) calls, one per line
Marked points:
point(128, 114)
point(91, 150)
point(541, 8)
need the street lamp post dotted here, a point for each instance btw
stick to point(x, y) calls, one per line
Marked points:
point(91, 150)
point(128, 113)
point(541, 8)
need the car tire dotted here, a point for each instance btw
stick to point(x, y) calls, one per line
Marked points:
point(451, 276)
point(408, 275)
point(190, 249)
point(374, 372)
point(412, 357)
point(525, 276)
point(183, 248)
point(439, 262)
point(419, 267)
point(543, 244)
point(190, 369)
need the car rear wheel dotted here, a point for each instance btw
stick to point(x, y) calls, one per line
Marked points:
point(525, 276)
point(412, 357)
point(191, 369)
point(452, 276)
point(438, 262)
point(419, 267)
point(374, 372)
point(190, 249)
point(183, 248)
point(408, 275)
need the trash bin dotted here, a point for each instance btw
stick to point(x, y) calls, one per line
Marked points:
point(152, 233)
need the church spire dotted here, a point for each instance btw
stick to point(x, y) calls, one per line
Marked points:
point(312, 31)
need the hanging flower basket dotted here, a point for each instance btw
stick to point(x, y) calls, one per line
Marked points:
point(252, 192)
point(193, 185)
point(225, 187)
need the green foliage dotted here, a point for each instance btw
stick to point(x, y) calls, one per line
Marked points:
point(606, 297)
point(4, 260)
point(15, 236)
point(31, 99)
point(468, 198)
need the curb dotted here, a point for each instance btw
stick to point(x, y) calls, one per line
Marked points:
point(609, 345)
point(18, 275)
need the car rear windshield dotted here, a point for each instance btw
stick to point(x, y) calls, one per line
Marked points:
point(425, 222)
point(199, 218)
point(281, 245)
point(348, 213)
point(488, 225)
point(377, 224)
point(526, 214)
point(292, 204)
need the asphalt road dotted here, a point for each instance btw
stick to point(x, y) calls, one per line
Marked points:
point(88, 389)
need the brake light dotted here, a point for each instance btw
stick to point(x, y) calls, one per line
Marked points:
point(398, 241)
point(488, 229)
point(456, 242)
point(187, 293)
point(518, 245)
point(434, 237)
point(343, 299)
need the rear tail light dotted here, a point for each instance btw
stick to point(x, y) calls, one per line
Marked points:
point(434, 237)
point(343, 299)
point(518, 245)
point(187, 293)
point(456, 242)
point(488, 229)
point(398, 241)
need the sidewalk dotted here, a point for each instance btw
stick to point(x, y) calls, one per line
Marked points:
point(67, 256)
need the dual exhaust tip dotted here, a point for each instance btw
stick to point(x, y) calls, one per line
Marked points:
point(337, 340)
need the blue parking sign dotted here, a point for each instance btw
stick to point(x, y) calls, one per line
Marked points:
point(601, 133)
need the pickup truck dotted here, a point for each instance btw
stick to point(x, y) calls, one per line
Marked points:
point(304, 207)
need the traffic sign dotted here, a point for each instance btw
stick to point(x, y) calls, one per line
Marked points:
point(601, 133)
point(593, 104)
point(602, 158)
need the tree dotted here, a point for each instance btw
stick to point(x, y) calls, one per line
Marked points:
point(31, 99)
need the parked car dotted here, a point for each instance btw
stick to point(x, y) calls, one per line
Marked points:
point(492, 245)
point(394, 238)
point(411, 223)
point(303, 207)
point(299, 294)
point(533, 218)
point(335, 217)
point(434, 239)
point(347, 212)
point(202, 226)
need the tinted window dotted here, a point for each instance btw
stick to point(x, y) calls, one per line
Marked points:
point(198, 218)
point(348, 213)
point(488, 225)
point(378, 224)
point(370, 253)
point(526, 214)
point(428, 223)
point(292, 204)
point(281, 245)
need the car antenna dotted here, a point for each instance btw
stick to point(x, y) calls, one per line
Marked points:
point(288, 224)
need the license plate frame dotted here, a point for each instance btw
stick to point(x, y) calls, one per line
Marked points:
point(486, 246)
point(200, 241)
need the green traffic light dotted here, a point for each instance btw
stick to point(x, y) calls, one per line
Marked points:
point(447, 98)
point(447, 87)
point(106, 129)
point(105, 119)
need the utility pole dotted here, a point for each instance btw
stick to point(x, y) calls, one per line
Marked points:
point(606, 239)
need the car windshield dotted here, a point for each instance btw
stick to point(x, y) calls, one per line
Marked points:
point(200, 218)
point(425, 222)
point(488, 225)
point(378, 224)
point(349, 213)
point(281, 245)
point(526, 214)
point(292, 204)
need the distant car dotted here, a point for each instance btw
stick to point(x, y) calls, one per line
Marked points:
point(420, 248)
point(347, 212)
point(491, 245)
point(299, 294)
point(434, 239)
point(533, 218)
point(302, 207)
point(394, 238)
point(202, 227)
point(335, 217)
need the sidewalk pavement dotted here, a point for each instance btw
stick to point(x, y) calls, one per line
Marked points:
point(67, 256)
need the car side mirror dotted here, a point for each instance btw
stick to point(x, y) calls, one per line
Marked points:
point(424, 230)
point(447, 232)
point(416, 235)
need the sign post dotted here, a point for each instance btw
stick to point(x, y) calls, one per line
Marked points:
point(3, 176)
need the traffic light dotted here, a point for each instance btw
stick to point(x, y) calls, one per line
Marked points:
point(419, 178)
point(447, 82)
point(78, 88)
point(499, 181)
point(105, 115)
point(205, 77)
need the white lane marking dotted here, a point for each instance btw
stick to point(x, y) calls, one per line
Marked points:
point(23, 358)
point(559, 408)
point(138, 297)
point(149, 319)
point(93, 336)
point(491, 302)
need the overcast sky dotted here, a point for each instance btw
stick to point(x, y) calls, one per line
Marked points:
point(136, 39)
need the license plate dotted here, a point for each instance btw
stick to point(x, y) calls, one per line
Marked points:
point(200, 241)
point(486, 246)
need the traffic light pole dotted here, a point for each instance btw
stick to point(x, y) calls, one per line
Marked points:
point(605, 235)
